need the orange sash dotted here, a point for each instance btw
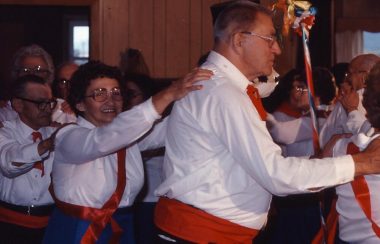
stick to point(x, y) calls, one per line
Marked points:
point(362, 194)
point(197, 226)
point(99, 218)
point(331, 227)
point(28, 221)
point(256, 100)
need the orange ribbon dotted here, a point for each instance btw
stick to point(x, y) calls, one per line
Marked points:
point(256, 100)
point(99, 218)
point(38, 165)
point(362, 194)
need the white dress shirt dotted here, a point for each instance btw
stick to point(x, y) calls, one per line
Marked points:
point(339, 121)
point(354, 227)
point(23, 185)
point(221, 158)
point(7, 112)
point(85, 163)
point(296, 127)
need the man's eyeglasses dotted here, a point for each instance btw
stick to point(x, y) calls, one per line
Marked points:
point(41, 105)
point(102, 94)
point(270, 39)
point(37, 70)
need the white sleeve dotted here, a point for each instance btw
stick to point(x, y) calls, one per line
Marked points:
point(357, 122)
point(334, 124)
point(76, 144)
point(12, 151)
point(155, 138)
point(247, 139)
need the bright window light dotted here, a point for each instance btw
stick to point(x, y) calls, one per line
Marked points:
point(81, 41)
point(371, 42)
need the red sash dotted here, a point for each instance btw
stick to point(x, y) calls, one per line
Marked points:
point(362, 194)
point(256, 100)
point(195, 225)
point(331, 227)
point(28, 221)
point(99, 218)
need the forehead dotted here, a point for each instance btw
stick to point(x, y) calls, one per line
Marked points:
point(103, 82)
point(263, 24)
point(32, 61)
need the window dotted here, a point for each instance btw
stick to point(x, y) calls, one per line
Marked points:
point(371, 42)
point(79, 42)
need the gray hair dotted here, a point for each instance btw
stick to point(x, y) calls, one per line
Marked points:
point(238, 16)
point(34, 51)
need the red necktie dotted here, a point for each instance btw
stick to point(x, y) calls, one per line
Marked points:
point(253, 94)
point(38, 165)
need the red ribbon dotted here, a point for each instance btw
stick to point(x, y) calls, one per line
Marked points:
point(256, 100)
point(99, 218)
point(38, 165)
point(362, 195)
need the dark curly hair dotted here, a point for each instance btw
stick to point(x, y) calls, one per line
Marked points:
point(82, 78)
point(371, 96)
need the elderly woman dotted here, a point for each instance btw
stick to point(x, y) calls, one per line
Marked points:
point(358, 202)
point(98, 170)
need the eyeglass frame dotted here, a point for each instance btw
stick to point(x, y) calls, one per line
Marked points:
point(33, 70)
point(269, 39)
point(41, 105)
point(93, 95)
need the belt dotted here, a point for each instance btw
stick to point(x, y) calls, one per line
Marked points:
point(43, 210)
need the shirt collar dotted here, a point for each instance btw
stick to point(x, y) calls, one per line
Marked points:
point(84, 123)
point(26, 130)
point(229, 70)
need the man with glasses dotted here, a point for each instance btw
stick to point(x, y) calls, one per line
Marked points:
point(221, 164)
point(34, 60)
point(348, 115)
point(26, 147)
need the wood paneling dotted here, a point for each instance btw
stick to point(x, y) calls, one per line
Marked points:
point(172, 34)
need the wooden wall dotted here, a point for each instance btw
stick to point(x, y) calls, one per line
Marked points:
point(172, 34)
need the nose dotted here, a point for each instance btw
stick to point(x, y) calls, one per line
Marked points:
point(276, 48)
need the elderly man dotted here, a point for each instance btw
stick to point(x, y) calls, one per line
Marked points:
point(221, 165)
point(348, 115)
point(34, 60)
point(26, 163)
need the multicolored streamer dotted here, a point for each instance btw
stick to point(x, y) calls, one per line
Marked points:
point(310, 84)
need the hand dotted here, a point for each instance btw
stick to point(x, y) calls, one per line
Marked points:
point(46, 145)
point(327, 151)
point(368, 161)
point(349, 100)
point(180, 88)
point(65, 107)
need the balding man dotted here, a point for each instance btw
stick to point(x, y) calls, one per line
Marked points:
point(348, 115)
point(221, 164)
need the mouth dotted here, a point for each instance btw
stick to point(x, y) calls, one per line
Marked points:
point(109, 110)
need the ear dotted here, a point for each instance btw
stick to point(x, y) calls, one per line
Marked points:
point(238, 41)
point(80, 107)
point(17, 105)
